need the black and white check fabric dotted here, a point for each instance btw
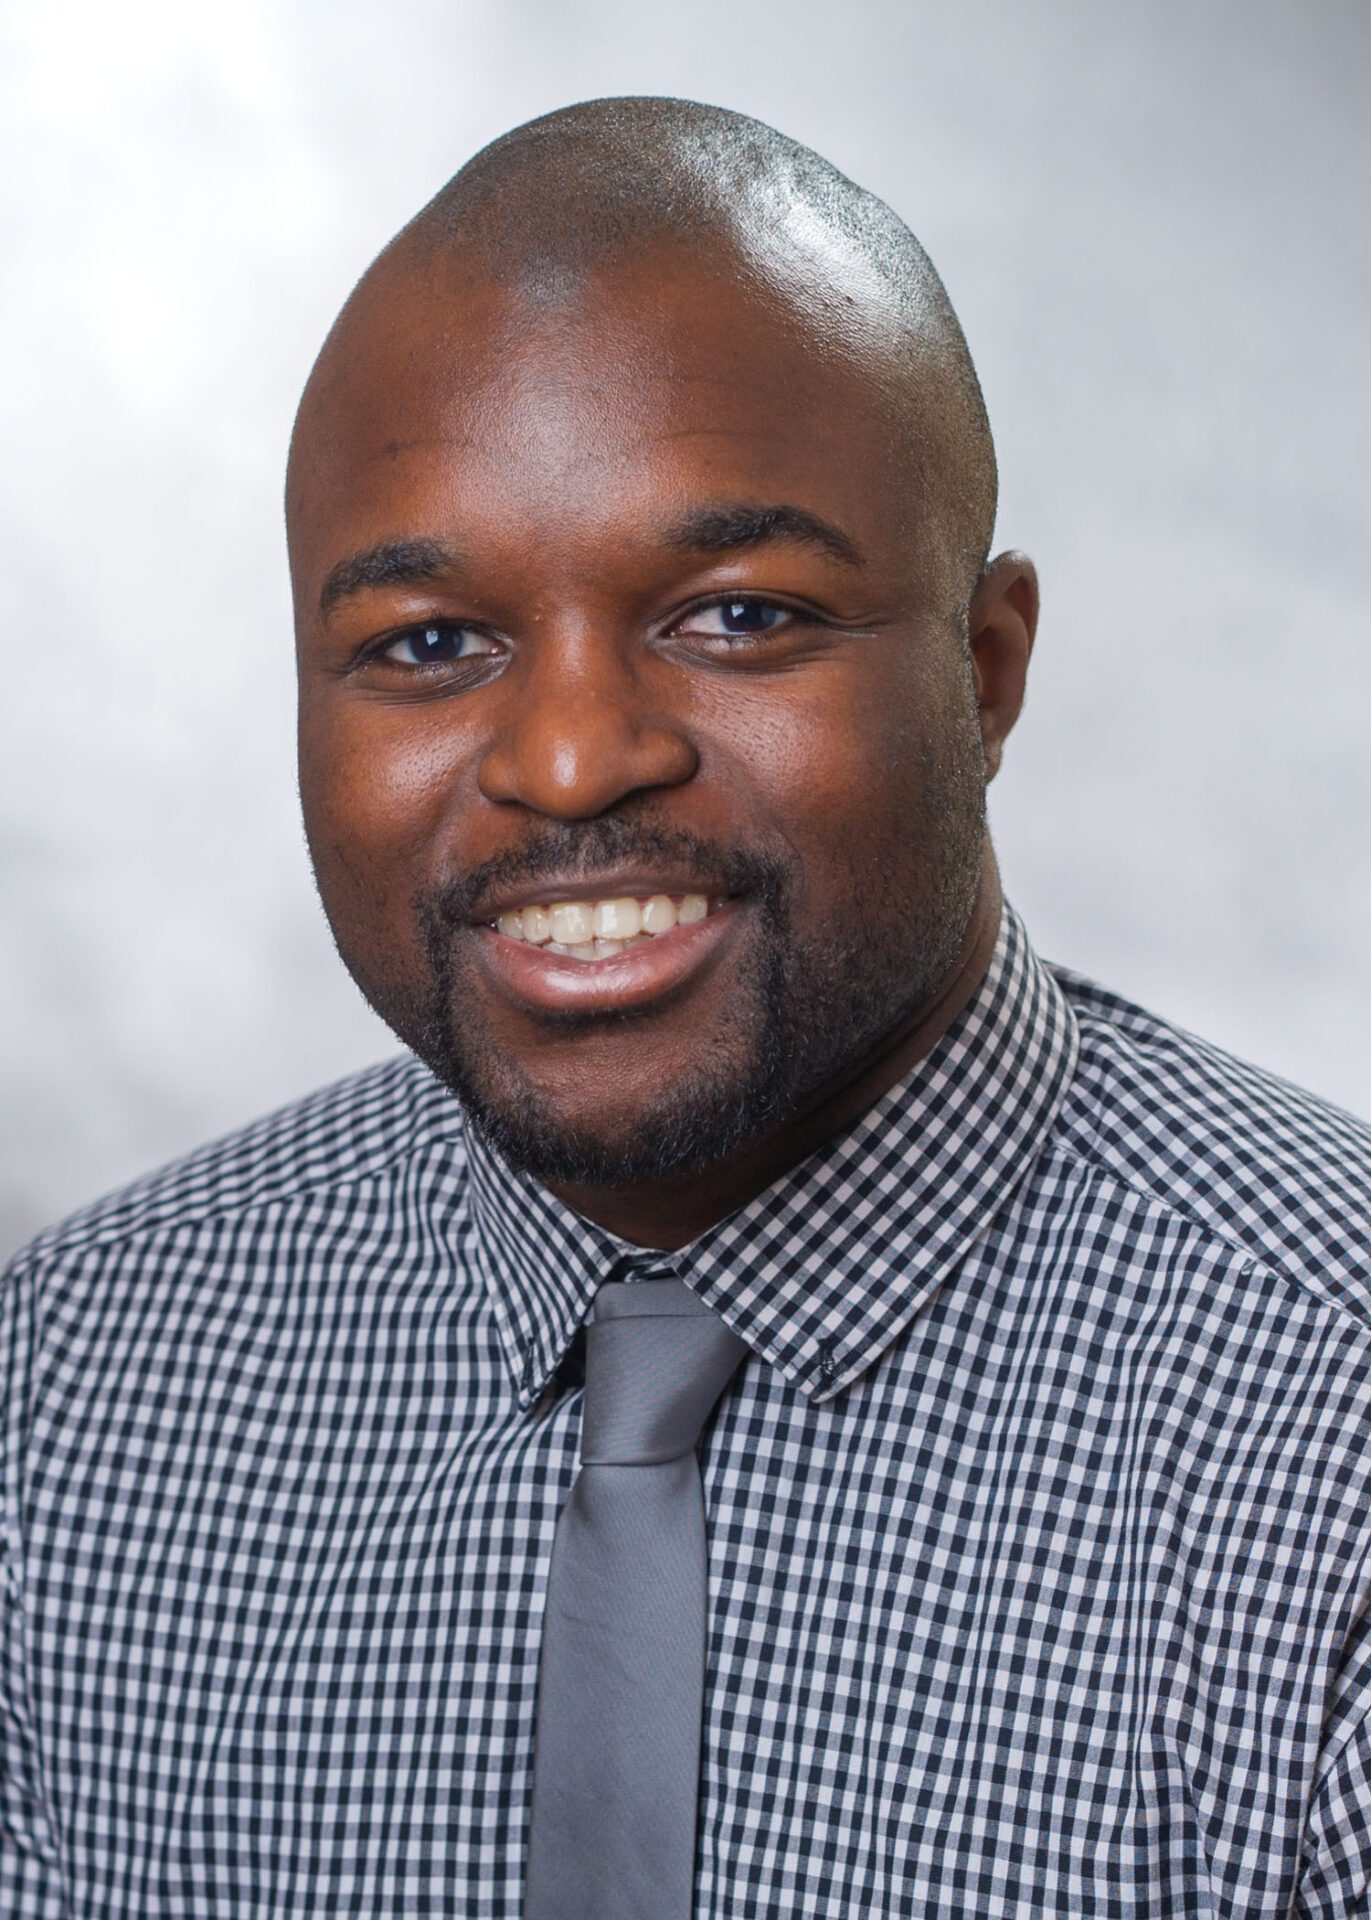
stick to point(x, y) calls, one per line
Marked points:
point(1039, 1513)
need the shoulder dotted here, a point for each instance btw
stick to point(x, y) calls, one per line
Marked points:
point(1280, 1176)
point(361, 1127)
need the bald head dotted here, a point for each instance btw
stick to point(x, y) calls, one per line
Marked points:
point(554, 207)
point(581, 188)
point(639, 505)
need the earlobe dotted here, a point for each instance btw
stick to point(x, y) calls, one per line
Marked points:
point(1002, 619)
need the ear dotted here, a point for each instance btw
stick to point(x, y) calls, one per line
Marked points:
point(1001, 622)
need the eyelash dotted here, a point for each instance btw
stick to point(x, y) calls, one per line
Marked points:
point(741, 642)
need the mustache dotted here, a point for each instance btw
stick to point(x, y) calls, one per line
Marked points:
point(579, 849)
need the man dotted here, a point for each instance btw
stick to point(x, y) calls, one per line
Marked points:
point(652, 668)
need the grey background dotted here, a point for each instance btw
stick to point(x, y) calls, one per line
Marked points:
point(1153, 219)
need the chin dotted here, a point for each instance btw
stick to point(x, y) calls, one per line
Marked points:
point(699, 1123)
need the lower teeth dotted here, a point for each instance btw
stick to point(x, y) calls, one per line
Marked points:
point(597, 949)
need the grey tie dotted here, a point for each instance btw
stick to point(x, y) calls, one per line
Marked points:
point(617, 1752)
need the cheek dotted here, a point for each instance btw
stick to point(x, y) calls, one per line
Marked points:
point(375, 790)
point(838, 757)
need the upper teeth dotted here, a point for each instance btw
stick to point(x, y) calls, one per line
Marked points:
point(592, 929)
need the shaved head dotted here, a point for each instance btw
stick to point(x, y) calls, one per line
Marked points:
point(584, 193)
point(639, 505)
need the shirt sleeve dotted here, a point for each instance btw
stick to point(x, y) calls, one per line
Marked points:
point(30, 1869)
point(1336, 1882)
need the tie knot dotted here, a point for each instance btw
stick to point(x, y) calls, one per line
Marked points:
point(657, 1359)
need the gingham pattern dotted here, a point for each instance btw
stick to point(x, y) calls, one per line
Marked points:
point(1039, 1514)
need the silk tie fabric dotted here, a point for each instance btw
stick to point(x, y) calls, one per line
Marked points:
point(617, 1748)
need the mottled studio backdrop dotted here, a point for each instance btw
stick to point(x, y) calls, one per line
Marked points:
point(1154, 220)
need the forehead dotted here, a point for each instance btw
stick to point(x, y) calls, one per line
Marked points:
point(625, 396)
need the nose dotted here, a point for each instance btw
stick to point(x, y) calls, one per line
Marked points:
point(582, 733)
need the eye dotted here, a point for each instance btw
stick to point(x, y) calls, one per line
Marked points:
point(735, 619)
point(436, 643)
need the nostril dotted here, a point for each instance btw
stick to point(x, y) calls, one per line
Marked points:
point(574, 772)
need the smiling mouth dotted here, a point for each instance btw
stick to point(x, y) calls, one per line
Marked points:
point(588, 930)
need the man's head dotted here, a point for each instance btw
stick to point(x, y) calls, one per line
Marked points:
point(639, 506)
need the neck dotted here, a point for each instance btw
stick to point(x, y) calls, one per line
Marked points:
point(671, 1213)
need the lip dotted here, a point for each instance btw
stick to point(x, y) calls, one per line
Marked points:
point(623, 883)
point(552, 983)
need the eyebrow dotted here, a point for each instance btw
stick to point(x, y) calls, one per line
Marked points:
point(735, 525)
point(728, 528)
point(391, 563)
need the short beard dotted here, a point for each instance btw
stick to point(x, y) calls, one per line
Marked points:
point(701, 1119)
point(801, 1012)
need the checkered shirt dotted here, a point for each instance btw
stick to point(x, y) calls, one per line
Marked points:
point(1039, 1511)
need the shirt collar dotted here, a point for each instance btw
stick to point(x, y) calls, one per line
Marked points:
point(821, 1272)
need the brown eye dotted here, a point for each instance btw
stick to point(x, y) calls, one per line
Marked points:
point(435, 644)
point(736, 618)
